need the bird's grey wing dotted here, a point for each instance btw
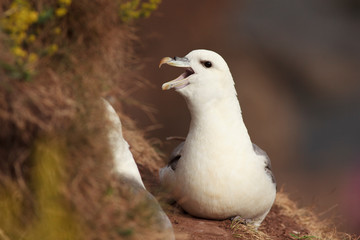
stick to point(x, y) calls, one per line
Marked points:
point(268, 167)
point(175, 156)
point(167, 173)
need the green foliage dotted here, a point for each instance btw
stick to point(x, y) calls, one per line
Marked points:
point(46, 15)
point(16, 71)
point(294, 236)
point(125, 232)
point(135, 9)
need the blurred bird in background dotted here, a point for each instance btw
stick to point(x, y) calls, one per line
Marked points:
point(129, 174)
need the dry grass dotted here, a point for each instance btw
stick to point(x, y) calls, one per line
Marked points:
point(244, 232)
point(287, 221)
point(320, 229)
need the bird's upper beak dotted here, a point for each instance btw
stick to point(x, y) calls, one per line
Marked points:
point(182, 80)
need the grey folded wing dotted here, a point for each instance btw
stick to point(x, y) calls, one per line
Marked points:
point(268, 168)
point(175, 156)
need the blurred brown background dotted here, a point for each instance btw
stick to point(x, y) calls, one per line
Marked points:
point(297, 73)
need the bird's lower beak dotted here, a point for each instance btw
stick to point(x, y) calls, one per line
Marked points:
point(182, 80)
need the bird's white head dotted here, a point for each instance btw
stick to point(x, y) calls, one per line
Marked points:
point(206, 77)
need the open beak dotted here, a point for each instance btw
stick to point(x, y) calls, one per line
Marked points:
point(182, 80)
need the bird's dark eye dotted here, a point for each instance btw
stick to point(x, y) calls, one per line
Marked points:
point(207, 64)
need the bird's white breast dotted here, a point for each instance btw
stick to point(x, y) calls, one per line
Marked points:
point(219, 175)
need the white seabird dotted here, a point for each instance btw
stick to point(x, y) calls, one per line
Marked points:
point(128, 172)
point(217, 173)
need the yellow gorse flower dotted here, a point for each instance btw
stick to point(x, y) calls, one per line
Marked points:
point(135, 9)
point(61, 11)
point(33, 16)
point(31, 38)
point(52, 49)
point(65, 2)
point(19, 52)
point(33, 57)
point(57, 30)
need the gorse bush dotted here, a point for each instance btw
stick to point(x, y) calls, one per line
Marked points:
point(27, 28)
point(136, 9)
point(33, 30)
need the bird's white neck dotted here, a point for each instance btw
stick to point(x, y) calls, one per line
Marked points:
point(219, 119)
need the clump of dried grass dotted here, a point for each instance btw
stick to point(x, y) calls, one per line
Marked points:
point(319, 228)
point(287, 221)
point(244, 232)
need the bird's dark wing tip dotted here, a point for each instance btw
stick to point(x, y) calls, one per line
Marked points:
point(175, 156)
point(173, 162)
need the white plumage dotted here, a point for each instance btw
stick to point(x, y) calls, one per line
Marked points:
point(123, 159)
point(127, 170)
point(218, 173)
